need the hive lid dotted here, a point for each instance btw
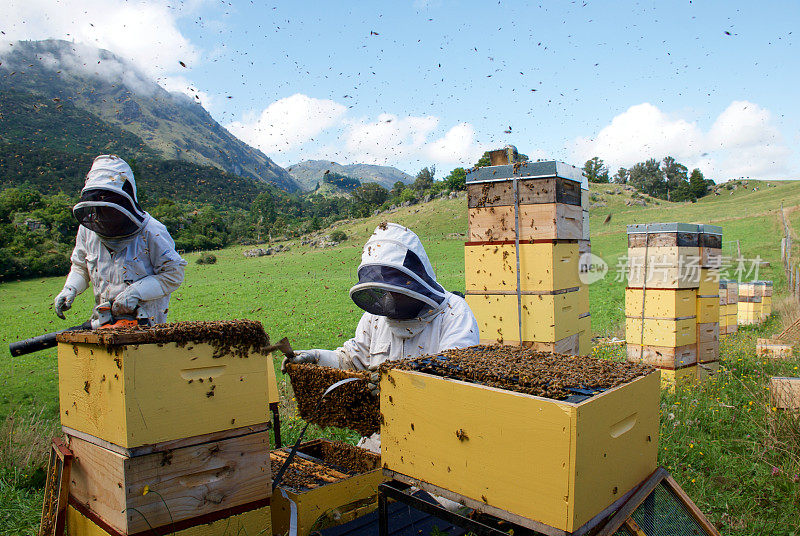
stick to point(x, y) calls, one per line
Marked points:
point(723, 283)
point(641, 228)
point(527, 170)
point(705, 228)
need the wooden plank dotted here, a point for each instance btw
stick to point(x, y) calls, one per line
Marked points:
point(148, 394)
point(637, 498)
point(668, 357)
point(545, 317)
point(508, 450)
point(543, 267)
point(546, 221)
point(154, 490)
point(785, 392)
point(661, 303)
point(82, 522)
point(661, 332)
point(531, 191)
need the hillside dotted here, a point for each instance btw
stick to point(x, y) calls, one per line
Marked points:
point(310, 172)
point(116, 92)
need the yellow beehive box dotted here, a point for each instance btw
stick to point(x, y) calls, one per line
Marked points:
point(545, 317)
point(81, 522)
point(174, 483)
point(732, 309)
point(343, 499)
point(733, 323)
point(766, 306)
point(585, 336)
point(706, 370)
point(723, 323)
point(583, 298)
point(544, 266)
point(663, 357)
point(670, 379)
point(660, 303)
point(664, 267)
point(661, 332)
point(552, 462)
point(140, 394)
point(709, 282)
point(707, 309)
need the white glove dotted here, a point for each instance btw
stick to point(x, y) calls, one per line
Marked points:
point(63, 301)
point(126, 302)
point(374, 384)
point(325, 358)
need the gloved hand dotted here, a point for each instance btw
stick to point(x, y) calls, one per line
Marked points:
point(374, 384)
point(63, 301)
point(125, 303)
point(325, 358)
point(145, 289)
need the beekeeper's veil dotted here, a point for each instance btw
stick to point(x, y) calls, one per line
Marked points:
point(395, 278)
point(108, 204)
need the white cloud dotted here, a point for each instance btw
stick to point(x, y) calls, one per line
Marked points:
point(742, 142)
point(457, 146)
point(288, 123)
point(388, 139)
point(179, 84)
point(145, 33)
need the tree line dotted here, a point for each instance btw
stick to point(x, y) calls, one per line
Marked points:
point(665, 179)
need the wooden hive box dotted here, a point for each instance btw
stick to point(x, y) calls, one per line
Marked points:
point(708, 332)
point(707, 309)
point(660, 303)
point(723, 323)
point(749, 313)
point(500, 193)
point(662, 267)
point(546, 221)
point(733, 291)
point(346, 496)
point(709, 282)
point(774, 348)
point(671, 379)
point(661, 332)
point(766, 306)
point(585, 225)
point(545, 462)
point(785, 392)
point(707, 351)
point(544, 266)
point(132, 394)
point(176, 482)
point(710, 245)
point(583, 299)
point(663, 235)
point(663, 357)
point(546, 318)
point(81, 522)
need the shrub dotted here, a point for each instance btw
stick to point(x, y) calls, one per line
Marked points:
point(338, 235)
point(207, 258)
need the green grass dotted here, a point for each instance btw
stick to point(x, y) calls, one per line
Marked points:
point(302, 295)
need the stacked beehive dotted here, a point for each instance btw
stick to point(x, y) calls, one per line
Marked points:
point(521, 257)
point(708, 300)
point(766, 299)
point(723, 307)
point(732, 309)
point(749, 306)
point(585, 264)
point(168, 437)
point(661, 298)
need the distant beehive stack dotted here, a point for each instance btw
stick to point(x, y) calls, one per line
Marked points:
point(750, 301)
point(732, 308)
point(584, 265)
point(723, 307)
point(522, 254)
point(766, 299)
point(167, 436)
point(672, 299)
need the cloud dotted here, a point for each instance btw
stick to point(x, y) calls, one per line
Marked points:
point(288, 123)
point(388, 139)
point(179, 84)
point(145, 33)
point(742, 142)
point(457, 146)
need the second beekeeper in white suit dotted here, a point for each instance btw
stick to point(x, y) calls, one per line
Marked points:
point(408, 313)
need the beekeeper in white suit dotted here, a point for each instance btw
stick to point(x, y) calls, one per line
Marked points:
point(408, 314)
point(126, 255)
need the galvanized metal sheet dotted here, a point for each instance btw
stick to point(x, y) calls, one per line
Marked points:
point(527, 170)
point(641, 228)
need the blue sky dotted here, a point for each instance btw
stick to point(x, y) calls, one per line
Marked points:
point(416, 83)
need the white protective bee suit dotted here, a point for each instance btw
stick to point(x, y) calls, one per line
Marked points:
point(127, 255)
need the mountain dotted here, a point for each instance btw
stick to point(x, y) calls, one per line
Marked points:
point(310, 172)
point(170, 125)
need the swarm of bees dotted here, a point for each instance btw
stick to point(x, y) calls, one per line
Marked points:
point(326, 462)
point(524, 370)
point(239, 338)
point(349, 406)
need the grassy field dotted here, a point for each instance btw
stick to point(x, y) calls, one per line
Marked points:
point(722, 442)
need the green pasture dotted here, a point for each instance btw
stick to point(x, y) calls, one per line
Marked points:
point(739, 461)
